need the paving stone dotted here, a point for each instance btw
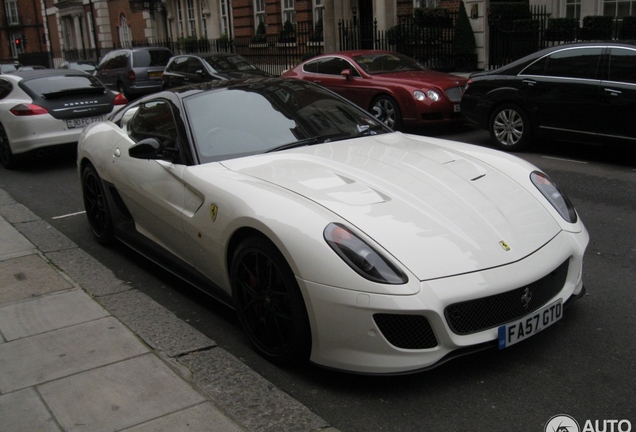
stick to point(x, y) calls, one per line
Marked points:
point(27, 277)
point(201, 418)
point(23, 411)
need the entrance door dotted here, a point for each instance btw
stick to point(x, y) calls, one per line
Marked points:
point(366, 24)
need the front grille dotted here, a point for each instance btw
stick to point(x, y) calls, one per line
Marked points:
point(406, 331)
point(476, 315)
point(454, 93)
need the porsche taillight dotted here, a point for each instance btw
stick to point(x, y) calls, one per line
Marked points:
point(120, 99)
point(27, 110)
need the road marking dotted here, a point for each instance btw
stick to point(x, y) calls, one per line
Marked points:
point(68, 215)
point(564, 160)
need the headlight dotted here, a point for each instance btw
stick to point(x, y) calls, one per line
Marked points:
point(361, 257)
point(431, 94)
point(553, 194)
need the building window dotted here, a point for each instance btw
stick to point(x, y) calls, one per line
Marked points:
point(424, 4)
point(318, 9)
point(620, 8)
point(12, 12)
point(204, 23)
point(289, 13)
point(124, 32)
point(191, 20)
point(91, 30)
point(179, 18)
point(259, 13)
point(573, 9)
point(225, 18)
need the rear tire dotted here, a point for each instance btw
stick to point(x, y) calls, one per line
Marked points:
point(510, 128)
point(269, 303)
point(7, 159)
point(96, 205)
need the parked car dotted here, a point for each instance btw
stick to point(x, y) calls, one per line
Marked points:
point(578, 92)
point(395, 88)
point(48, 107)
point(86, 66)
point(29, 67)
point(133, 72)
point(9, 67)
point(190, 69)
point(335, 239)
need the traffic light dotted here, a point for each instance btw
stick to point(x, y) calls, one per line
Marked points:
point(18, 42)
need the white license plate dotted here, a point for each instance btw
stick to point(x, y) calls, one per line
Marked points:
point(456, 108)
point(82, 122)
point(530, 325)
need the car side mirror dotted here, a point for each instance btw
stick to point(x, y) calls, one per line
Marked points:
point(346, 73)
point(151, 148)
point(148, 148)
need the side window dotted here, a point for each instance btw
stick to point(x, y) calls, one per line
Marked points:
point(622, 65)
point(335, 66)
point(154, 119)
point(177, 65)
point(193, 65)
point(119, 61)
point(5, 88)
point(311, 67)
point(104, 63)
point(574, 63)
point(536, 68)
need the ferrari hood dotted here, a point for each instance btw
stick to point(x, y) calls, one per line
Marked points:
point(437, 211)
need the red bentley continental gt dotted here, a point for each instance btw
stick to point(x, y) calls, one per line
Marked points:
point(395, 88)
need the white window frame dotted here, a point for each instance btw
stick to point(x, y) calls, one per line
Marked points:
point(318, 7)
point(124, 32)
point(288, 11)
point(575, 6)
point(91, 30)
point(192, 31)
point(204, 22)
point(615, 11)
point(425, 4)
point(224, 16)
point(11, 9)
point(179, 19)
point(259, 13)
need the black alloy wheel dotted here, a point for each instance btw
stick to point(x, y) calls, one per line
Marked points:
point(6, 155)
point(510, 128)
point(269, 303)
point(386, 109)
point(96, 205)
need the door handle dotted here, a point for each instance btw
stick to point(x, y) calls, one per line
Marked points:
point(528, 82)
point(613, 92)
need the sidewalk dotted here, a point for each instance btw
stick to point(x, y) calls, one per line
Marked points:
point(82, 351)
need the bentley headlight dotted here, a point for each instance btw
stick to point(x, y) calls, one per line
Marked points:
point(553, 194)
point(419, 95)
point(433, 95)
point(361, 257)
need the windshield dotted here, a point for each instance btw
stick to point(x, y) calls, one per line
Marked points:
point(258, 118)
point(230, 63)
point(382, 63)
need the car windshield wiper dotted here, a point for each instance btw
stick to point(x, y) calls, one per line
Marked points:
point(300, 143)
point(70, 91)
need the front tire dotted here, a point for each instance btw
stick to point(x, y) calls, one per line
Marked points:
point(386, 109)
point(7, 159)
point(96, 205)
point(510, 128)
point(269, 303)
